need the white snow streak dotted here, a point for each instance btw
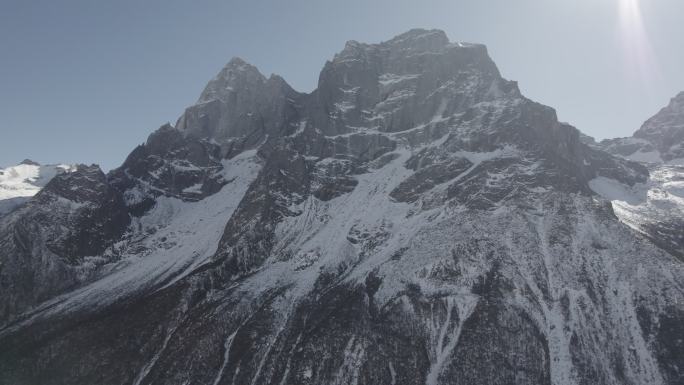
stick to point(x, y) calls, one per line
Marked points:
point(448, 337)
point(184, 235)
point(226, 356)
point(146, 369)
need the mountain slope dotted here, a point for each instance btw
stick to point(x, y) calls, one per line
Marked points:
point(414, 220)
point(655, 208)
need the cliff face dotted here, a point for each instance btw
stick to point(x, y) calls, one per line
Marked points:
point(659, 140)
point(665, 130)
point(413, 220)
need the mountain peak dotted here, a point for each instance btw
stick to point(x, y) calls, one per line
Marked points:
point(236, 75)
point(237, 63)
point(665, 130)
point(418, 40)
point(420, 36)
point(239, 67)
point(29, 162)
point(678, 102)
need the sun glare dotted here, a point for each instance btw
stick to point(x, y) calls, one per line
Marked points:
point(630, 7)
point(639, 56)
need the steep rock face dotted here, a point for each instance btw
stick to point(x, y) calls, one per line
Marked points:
point(659, 140)
point(240, 107)
point(169, 164)
point(53, 242)
point(477, 120)
point(398, 84)
point(666, 130)
point(415, 220)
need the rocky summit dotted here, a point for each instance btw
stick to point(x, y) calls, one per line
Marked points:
point(414, 220)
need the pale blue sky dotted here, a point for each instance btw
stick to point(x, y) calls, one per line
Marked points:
point(86, 81)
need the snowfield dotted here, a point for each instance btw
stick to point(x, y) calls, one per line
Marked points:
point(18, 183)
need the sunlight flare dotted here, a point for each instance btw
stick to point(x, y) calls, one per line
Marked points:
point(640, 59)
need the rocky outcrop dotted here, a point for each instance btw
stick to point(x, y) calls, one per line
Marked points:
point(169, 164)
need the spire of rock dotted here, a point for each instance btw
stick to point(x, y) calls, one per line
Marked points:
point(236, 76)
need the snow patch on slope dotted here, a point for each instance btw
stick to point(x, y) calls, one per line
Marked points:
point(168, 243)
point(391, 79)
point(613, 190)
point(646, 157)
point(658, 204)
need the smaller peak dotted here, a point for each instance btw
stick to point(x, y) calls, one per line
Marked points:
point(276, 78)
point(419, 32)
point(279, 82)
point(166, 127)
point(351, 44)
point(676, 104)
point(163, 138)
point(352, 48)
point(87, 168)
point(237, 61)
point(238, 65)
point(237, 74)
point(679, 99)
point(29, 162)
point(418, 41)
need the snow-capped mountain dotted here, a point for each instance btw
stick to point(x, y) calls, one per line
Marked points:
point(659, 140)
point(654, 208)
point(414, 220)
point(666, 131)
point(19, 183)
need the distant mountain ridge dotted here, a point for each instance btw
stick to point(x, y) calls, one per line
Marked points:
point(19, 183)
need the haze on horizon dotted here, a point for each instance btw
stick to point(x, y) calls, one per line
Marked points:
point(85, 82)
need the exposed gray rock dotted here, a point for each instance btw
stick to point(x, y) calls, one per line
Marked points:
point(666, 130)
point(659, 140)
point(240, 107)
point(169, 164)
